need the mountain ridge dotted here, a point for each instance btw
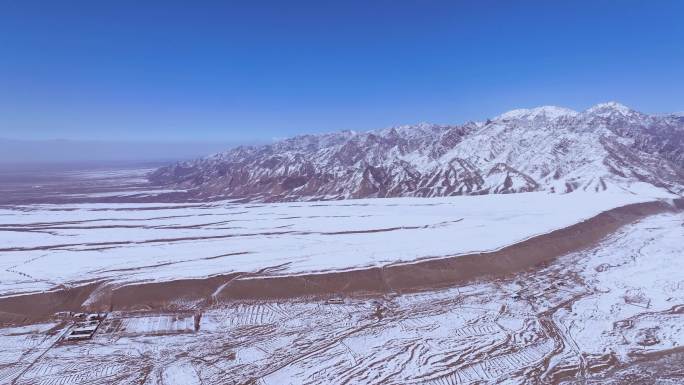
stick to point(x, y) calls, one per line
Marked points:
point(555, 149)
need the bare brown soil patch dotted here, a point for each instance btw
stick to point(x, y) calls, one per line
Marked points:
point(38, 306)
point(158, 295)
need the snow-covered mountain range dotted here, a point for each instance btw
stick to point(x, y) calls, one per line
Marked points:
point(607, 147)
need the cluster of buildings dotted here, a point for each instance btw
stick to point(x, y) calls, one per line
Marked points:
point(85, 326)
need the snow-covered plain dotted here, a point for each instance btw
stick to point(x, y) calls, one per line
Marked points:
point(637, 278)
point(591, 317)
point(43, 246)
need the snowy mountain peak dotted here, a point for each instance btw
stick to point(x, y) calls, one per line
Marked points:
point(547, 112)
point(408, 130)
point(419, 126)
point(424, 125)
point(610, 108)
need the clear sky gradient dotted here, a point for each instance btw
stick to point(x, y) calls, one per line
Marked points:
point(246, 71)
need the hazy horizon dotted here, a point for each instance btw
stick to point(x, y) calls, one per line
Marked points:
point(65, 151)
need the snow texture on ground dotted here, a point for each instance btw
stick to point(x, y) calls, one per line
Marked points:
point(43, 246)
point(610, 314)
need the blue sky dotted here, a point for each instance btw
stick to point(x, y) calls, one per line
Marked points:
point(250, 71)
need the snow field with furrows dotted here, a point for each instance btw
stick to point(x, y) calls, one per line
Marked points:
point(44, 246)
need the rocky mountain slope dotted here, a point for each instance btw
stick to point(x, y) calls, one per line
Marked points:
point(608, 146)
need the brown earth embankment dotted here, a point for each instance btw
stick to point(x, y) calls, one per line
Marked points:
point(431, 273)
